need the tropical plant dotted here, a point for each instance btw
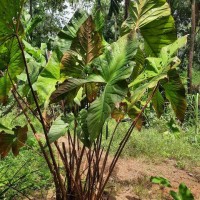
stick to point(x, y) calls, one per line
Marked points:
point(183, 192)
point(88, 80)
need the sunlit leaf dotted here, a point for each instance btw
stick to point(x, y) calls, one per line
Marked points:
point(113, 66)
point(70, 30)
point(13, 66)
point(152, 19)
point(6, 129)
point(48, 79)
point(161, 181)
point(156, 69)
point(102, 107)
point(79, 97)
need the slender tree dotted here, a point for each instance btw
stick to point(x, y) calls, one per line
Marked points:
point(192, 41)
point(127, 3)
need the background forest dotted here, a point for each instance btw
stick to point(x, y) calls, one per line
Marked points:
point(99, 102)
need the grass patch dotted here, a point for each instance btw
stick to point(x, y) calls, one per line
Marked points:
point(24, 175)
point(196, 77)
point(157, 144)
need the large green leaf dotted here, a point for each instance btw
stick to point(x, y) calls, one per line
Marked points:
point(65, 36)
point(175, 93)
point(171, 50)
point(152, 19)
point(153, 67)
point(10, 12)
point(142, 12)
point(13, 66)
point(6, 129)
point(113, 63)
point(70, 30)
point(10, 57)
point(48, 79)
point(67, 86)
point(58, 129)
point(84, 135)
point(138, 91)
point(158, 34)
point(157, 68)
point(34, 53)
point(102, 107)
point(113, 66)
point(73, 84)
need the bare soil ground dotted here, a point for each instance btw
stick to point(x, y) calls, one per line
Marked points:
point(130, 180)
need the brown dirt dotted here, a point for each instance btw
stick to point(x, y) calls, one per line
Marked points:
point(130, 180)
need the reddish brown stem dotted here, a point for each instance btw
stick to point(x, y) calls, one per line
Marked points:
point(123, 143)
point(61, 186)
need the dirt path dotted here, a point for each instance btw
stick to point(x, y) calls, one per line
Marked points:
point(130, 180)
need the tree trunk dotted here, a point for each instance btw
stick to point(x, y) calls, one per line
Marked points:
point(127, 3)
point(169, 2)
point(192, 41)
point(31, 8)
point(99, 3)
point(31, 14)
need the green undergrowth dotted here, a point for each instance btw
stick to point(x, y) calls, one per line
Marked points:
point(24, 175)
point(158, 143)
point(196, 77)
